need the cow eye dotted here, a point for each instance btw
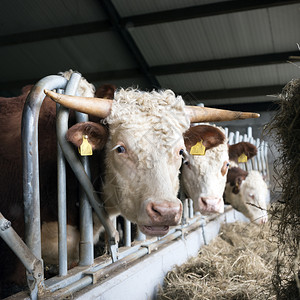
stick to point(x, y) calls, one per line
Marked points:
point(181, 151)
point(121, 149)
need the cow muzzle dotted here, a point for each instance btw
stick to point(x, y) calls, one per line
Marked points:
point(161, 215)
point(210, 205)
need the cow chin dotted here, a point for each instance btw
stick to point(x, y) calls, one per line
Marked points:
point(154, 230)
point(210, 205)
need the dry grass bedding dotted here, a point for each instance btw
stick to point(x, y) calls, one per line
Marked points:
point(237, 264)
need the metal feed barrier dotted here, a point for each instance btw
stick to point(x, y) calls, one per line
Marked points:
point(90, 270)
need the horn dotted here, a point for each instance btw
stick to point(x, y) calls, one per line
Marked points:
point(207, 114)
point(94, 106)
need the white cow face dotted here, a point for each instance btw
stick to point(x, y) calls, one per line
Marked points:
point(143, 158)
point(142, 179)
point(250, 196)
point(204, 176)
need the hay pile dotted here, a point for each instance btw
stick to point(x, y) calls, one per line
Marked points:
point(238, 264)
point(285, 130)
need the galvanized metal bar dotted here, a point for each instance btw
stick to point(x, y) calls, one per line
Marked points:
point(85, 182)
point(62, 128)
point(259, 163)
point(86, 249)
point(33, 265)
point(226, 132)
point(62, 209)
point(267, 163)
point(127, 233)
point(230, 138)
point(191, 209)
point(31, 187)
point(237, 137)
point(254, 159)
point(62, 213)
point(249, 132)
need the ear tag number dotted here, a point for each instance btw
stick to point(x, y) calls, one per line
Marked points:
point(85, 148)
point(242, 158)
point(198, 149)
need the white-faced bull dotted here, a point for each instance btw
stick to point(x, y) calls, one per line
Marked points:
point(204, 172)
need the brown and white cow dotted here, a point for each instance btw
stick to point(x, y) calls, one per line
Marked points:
point(204, 176)
point(248, 193)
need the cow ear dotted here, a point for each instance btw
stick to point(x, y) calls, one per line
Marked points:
point(96, 134)
point(237, 183)
point(209, 135)
point(241, 148)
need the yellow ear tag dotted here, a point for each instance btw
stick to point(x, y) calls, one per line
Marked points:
point(85, 148)
point(242, 158)
point(198, 149)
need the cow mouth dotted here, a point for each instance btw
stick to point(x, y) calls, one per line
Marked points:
point(154, 230)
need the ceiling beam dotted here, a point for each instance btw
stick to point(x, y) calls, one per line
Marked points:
point(173, 15)
point(198, 96)
point(54, 33)
point(226, 63)
point(128, 41)
point(201, 11)
point(198, 66)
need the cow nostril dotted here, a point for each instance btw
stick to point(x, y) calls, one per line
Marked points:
point(155, 210)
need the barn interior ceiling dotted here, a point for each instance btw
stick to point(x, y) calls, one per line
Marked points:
point(222, 54)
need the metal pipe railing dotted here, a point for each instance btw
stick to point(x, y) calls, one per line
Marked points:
point(31, 187)
point(62, 128)
point(86, 184)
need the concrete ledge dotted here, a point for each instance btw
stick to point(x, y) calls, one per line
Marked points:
point(141, 280)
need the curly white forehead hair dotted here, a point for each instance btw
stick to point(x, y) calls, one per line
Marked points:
point(162, 109)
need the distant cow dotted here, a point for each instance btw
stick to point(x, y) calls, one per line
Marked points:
point(248, 193)
point(204, 175)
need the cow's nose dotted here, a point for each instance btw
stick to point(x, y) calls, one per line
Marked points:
point(164, 212)
point(209, 205)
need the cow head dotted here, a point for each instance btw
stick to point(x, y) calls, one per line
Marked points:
point(248, 193)
point(143, 152)
point(204, 176)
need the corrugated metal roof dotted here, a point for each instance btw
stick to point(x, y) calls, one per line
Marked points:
point(136, 7)
point(133, 48)
point(23, 15)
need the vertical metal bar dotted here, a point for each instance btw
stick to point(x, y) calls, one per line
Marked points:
point(249, 131)
point(262, 155)
point(86, 250)
point(259, 165)
point(226, 132)
point(86, 184)
point(191, 210)
point(127, 235)
point(62, 128)
point(267, 163)
point(237, 137)
point(62, 208)
point(230, 138)
point(31, 187)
